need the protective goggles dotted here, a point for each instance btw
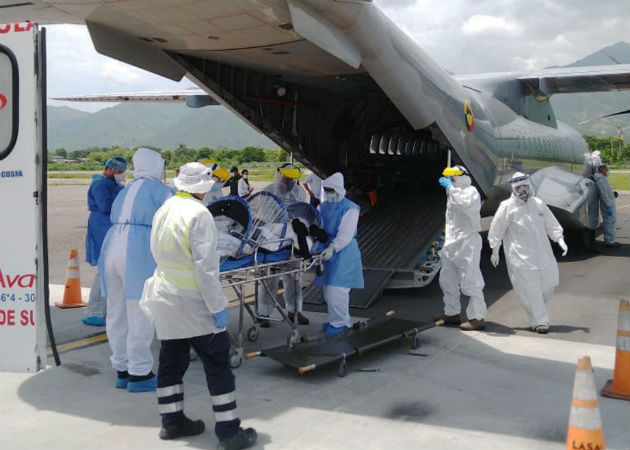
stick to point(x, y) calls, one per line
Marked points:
point(291, 172)
point(453, 172)
point(519, 179)
point(221, 173)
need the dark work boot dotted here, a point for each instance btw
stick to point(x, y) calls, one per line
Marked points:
point(244, 438)
point(302, 319)
point(175, 427)
point(448, 320)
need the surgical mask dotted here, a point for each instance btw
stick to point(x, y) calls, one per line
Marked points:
point(289, 184)
point(216, 186)
point(523, 192)
point(245, 177)
point(331, 197)
point(120, 177)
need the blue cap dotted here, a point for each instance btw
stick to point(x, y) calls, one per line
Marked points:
point(117, 162)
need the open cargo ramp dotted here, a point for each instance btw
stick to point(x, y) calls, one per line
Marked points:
point(392, 237)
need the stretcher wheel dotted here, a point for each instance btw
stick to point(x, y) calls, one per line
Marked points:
point(343, 369)
point(235, 360)
point(252, 334)
point(304, 338)
point(294, 338)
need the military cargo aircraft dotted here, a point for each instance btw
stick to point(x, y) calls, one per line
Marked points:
point(341, 86)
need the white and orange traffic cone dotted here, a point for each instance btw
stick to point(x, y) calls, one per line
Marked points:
point(72, 291)
point(585, 423)
point(619, 386)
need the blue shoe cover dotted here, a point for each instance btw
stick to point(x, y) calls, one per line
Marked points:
point(335, 330)
point(325, 326)
point(94, 321)
point(149, 385)
point(121, 383)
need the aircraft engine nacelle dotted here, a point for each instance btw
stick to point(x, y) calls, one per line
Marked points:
point(572, 197)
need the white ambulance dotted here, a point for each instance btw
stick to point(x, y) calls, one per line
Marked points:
point(23, 255)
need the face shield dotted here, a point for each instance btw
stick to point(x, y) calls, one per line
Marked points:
point(521, 187)
point(522, 191)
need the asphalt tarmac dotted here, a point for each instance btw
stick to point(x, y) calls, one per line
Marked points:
point(505, 387)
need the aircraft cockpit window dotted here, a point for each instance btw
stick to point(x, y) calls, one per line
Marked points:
point(8, 101)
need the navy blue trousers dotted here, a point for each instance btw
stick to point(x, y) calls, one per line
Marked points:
point(213, 351)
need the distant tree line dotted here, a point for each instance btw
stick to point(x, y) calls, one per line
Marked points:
point(613, 150)
point(94, 158)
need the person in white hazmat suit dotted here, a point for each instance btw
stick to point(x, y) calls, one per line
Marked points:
point(287, 188)
point(592, 163)
point(522, 223)
point(607, 206)
point(461, 253)
point(185, 300)
point(124, 265)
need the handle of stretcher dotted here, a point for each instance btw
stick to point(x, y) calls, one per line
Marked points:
point(252, 355)
point(304, 369)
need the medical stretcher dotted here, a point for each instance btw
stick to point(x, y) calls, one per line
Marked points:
point(258, 274)
point(362, 337)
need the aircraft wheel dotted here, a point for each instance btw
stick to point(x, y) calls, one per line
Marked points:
point(252, 334)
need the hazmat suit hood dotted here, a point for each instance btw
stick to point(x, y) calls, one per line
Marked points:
point(148, 164)
point(592, 163)
point(519, 180)
point(462, 181)
point(336, 182)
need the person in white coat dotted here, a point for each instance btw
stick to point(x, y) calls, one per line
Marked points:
point(244, 188)
point(607, 206)
point(124, 265)
point(287, 188)
point(185, 300)
point(461, 253)
point(522, 223)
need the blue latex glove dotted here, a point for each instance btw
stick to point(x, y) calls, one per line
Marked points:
point(610, 210)
point(221, 319)
point(445, 182)
point(616, 194)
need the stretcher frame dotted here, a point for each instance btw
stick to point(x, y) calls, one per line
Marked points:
point(259, 274)
point(340, 358)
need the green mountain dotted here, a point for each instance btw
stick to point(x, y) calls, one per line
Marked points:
point(574, 108)
point(165, 126)
point(168, 125)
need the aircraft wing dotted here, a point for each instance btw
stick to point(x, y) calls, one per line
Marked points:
point(560, 80)
point(194, 98)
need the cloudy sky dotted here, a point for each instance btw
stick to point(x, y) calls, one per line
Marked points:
point(463, 36)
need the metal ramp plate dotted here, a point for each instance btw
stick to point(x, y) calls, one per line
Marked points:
point(362, 337)
point(391, 237)
point(375, 282)
point(394, 234)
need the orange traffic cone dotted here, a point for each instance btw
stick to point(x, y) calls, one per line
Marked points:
point(585, 424)
point(619, 386)
point(72, 291)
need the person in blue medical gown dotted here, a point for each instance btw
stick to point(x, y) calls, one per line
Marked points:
point(101, 195)
point(342, 259)
point(607, 206)
point(125, 263)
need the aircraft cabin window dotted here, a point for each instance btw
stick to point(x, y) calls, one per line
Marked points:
point(8, 101)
